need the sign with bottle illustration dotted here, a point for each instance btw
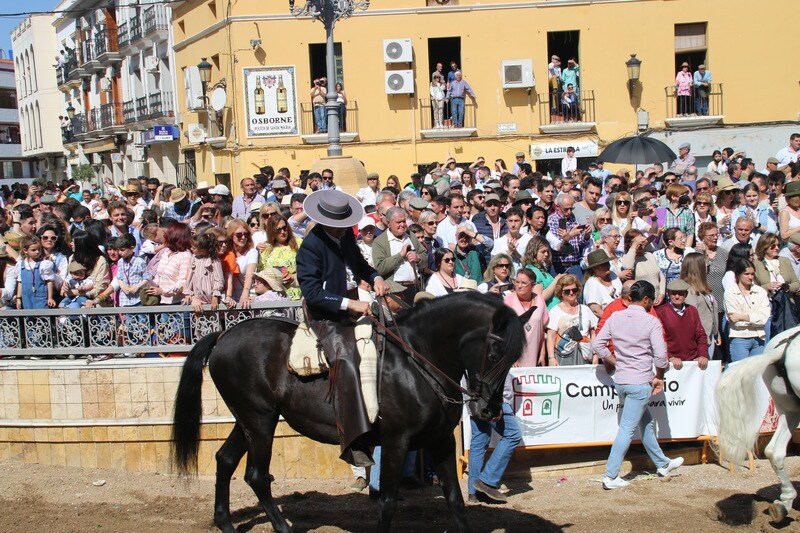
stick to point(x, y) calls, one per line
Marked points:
point(270, 101)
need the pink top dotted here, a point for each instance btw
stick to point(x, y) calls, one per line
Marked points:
point(172, 275)
point(534, 329)
point(684, 81)
point(638, 343)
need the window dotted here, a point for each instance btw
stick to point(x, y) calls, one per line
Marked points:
point(690, 44)
point(565, 45)
point(318, 63)
point(444, 50)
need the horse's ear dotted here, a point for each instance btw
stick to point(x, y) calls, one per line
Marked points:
point(524, 317)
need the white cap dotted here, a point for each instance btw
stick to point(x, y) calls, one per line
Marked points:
point(364, 222)
point(222, 190)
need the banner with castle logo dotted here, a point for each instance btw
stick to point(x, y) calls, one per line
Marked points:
point(564, 405)
point(270, 101)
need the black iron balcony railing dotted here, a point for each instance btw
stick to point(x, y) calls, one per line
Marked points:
point(699, 102)
point(347, 123)
point(428, 121)
point(93, 124)
point(122, 34)
point(105, 40)
point(160, 105)
point(155, 19)
point(111, 115)
point(87, 52)
point(559, 107)
point(187, 175)
point(129, 112)
point(141, 108)
point(135, 29)
point(78, 125)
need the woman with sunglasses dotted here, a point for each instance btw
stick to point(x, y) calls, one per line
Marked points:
point(642, 263)
point(445, 280)
point(704, 211)
point(54, 249)
point(427, 219)
point(622, 213)
point(568, 314)
point(708, 240)
point(678, 214)
point(240, 242)
point(281, 253)
point(228, 259)
point(726, 204)
point(610, 241)
point(498, 276)
point(427, 193)
point(684, 85)
point(775, 274)
point(521, 300)
point(602, 216)
point(260, 233)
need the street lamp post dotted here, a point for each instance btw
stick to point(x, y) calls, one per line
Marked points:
point(328, 12)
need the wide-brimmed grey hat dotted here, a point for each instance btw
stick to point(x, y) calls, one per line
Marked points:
point(332, 208)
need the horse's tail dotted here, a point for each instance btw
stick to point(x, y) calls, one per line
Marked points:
point(188, 406)
point(739, 416)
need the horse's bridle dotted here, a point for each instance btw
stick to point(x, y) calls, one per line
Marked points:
point(478, 393)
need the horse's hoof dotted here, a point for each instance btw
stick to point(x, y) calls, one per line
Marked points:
point(778, 511)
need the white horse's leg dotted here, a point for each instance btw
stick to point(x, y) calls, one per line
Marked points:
point(776, 453)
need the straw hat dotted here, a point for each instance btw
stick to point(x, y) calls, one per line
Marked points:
point(467, 284)
point(176, 195)
point(725, 184)
point(273, 278)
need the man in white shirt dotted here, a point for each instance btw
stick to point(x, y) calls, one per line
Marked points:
point(790, 153)
point(513, 243)
point(397, 254)
point(570, 162)
point(446, 230)
point(792, 252)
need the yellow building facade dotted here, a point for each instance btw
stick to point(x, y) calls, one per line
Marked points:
point(393, 134)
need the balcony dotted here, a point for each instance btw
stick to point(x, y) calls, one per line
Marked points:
point(135, 33)
point(93, 122)
point(78, 126)
point(87, 63)
point(429, 130)
point(684, 112)
point(67, 75)
point(129, 112)
point(140, 105)
point(155, 23)
point(111, 117)
point(106, 48)
point(161, 107)
point(122, 36)
point(348, 128)
point(11, 149)
point(557, 117)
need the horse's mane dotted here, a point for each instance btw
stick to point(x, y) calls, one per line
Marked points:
point(429, 312)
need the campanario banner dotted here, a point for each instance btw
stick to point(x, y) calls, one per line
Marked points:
point(578, 404)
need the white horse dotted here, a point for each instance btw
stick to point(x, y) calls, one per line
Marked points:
point(739, 415)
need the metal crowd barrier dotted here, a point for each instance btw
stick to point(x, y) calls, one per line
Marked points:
point(122, 330)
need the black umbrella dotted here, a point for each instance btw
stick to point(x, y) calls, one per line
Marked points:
point(637, 150)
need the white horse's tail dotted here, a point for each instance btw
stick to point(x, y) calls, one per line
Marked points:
point(739, 415)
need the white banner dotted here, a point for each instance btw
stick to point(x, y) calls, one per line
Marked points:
point(270, 101)
point(579, 405)
point(559, 150)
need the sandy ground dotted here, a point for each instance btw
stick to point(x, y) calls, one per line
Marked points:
point(705, 498)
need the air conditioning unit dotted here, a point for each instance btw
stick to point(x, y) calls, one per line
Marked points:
point(517, 74)
point(399, 82)
point(397, 51)
point(195, 133)
point(194, 88)
point(151, 63)
point(105, 85)
point(140, 154)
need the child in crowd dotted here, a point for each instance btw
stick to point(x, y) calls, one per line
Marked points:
point(36, 277)
point(206, 280)
point(152, 237)
point(112, 251)
point(131, 272)
point(75, 287)
point(269, 286)
point(417, 231)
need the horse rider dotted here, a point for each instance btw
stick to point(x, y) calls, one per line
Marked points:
point(329, 269)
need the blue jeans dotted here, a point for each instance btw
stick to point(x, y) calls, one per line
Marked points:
point(635, 413)
point(700, 104)
point(511, 436)
point(375, 470)
point(320, 119)
point(73, 303)
point(457, 106)
point(743, 348)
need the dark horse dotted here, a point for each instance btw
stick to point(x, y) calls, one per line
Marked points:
point(463, 334)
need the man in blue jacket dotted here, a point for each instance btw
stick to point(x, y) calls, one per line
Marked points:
point(329, 269)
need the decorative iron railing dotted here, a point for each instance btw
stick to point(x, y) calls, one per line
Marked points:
point(554, 108)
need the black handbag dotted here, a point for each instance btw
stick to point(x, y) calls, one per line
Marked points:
point(784, 313)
